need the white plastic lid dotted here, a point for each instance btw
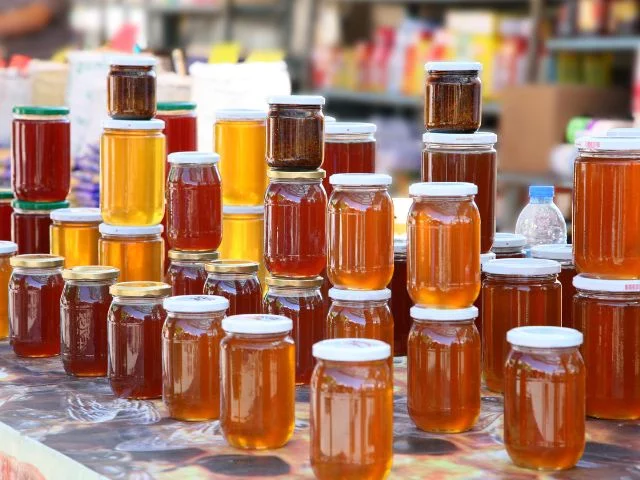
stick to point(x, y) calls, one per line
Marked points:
point(153, 124)
point(487, 257)
point(133, 60)
point(257, 324)
point(359, 295)
point(443, 314)
point(544, 337)
point(508, 240)
point(522, 267)
point(625, 132)
point(608, 143)
point(400, 243)
point(442, 189)
point(199, 158)
point(240, 114)
point(329, 118)
point(76, 215)
point(296, 100)
point(559, 251)
point(129, 231)
point(351, 350)
point(242, 209)
point(195, 304)
point(360, 179)
point(7, 247)
point(477, 138)
point(453, 66)
point(582, 282)
point(346, 128)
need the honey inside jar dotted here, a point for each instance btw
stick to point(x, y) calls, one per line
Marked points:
point(243, 238)
point(74, 235)
point(7, 250)
point(237, 281)
point(30, 225)
point(400, 302)
point(131, 87)
point(186, 273)
point(138, 252)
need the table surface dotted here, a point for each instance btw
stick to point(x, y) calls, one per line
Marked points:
point(121, 439)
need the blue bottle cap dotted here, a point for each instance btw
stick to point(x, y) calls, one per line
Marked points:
point(541, 191)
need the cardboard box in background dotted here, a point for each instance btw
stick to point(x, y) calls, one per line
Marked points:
point(534, 119)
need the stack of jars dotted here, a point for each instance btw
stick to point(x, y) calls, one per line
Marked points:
point(40, 173)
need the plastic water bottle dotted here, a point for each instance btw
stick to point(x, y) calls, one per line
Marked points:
point(541, 221)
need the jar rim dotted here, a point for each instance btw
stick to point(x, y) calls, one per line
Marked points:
point(6, 194)
point(614, 143)
point(132, 61)
point(544, 337)
point(39, 206)
point(243, 209)
point(351, 350)
point(359, 295)
point(296, 175)
point(195, 304)
point(584, 282)
point(91, 272)
point(7, 247)
point(193, 255)
point(124, 231)
point(240, 114)
point(294, 282)
point(522, 267)
point(140, 289)
point(360, 179)
point(257, 324)
point(196, 158)
point(296, 100)
point(443, 189)
point(418, 312)
point(80, 214)
point(232, 266)
point(453, 67)
point(175, 106)
point(41, 110)
point(349, 128)
point(468, 139)
point(553, 251)
point(36, 260)
point(113, 124)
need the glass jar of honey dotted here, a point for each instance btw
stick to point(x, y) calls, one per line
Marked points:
point(484, 259)
point(40, 153)
point(443, 244)
point(134, 333)
point(300, 300)
point(240, 139)
point(351, 375)
point(131, 87)
point(191, 356)
point(6, 209)
point(132, 172)
point(360, 231)
point(74, 235)
point(349, 147)
point(607, 312)
point(515, 292)
point(35, 288)
point(84, 306)
point(509, 245)
point(243, 239)
point(295, 238)
point(604, 200)
point(295, 132)
point(237, 281)
point(466, 157)
point(258, 412)
point(400, 302)
point(7, 250)
point(138, 252)
point(31, 222)
point(180, 126)
point(453, 97)
point(444, 369)
point(186, 273)
point(544, 398)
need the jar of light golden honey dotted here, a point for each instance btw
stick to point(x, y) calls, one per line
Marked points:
point(243, 239)
point(7, 250)
point(74, 235)
point(138, 252)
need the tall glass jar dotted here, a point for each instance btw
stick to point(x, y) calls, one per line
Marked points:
point(237, 281)
point(131, 87)
point(186, 273)
point(7, 250)
point(180, 126)
point(74, 235)
point(138, 252)
point(31, 222)
point(243, 237)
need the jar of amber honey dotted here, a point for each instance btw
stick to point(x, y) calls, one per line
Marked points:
point(31, 222)
point(351, 375)
point(84, 306)
point(484, 259)
point(295, 207)
point(138, 252)
point(6, 209)
point(7, 250)
point(360, 231)
point(237, 281)
point(131, 87)
point(443, 369)
point(400, 302)
point(300, 300)
point(35, 288)
point(186, 273)
point(516, 292)
point(134, 333)
point(74, 235)
point(607, 312)
point(191, 356)
point(443, 244)
point(243, 239)
point(258, 412)
point(544, 398)
point(509, 245)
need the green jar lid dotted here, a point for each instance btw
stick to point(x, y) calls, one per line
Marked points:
point(173, 106)
point(40, 110)
point(22, 205)
point(6, 193)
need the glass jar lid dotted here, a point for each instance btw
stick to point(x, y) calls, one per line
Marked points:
point(329, 118)
point(623, 132)
point(153, 124)
point(487, 257)
point(175, 106)
point(197, 158)
point(544, 337)
point(351, 350)
point(596, 144)
point(294, 282)
point(582, 282)
point(91, 272)
point(118, 231)
point(196, 304)
point(232, 266)
point(132, 61)
point(349, 128)
point(257, 324)
point(6, 194)
point(140, 289)
point(400, 244)
point(442, 189)
point(522, 267)
point(509, 240)
point(39, 206)
point(76, 215)
point(243, 209)
point(477, 138)
point(41, 110)
point(443, 314)
point(296, 100)
point(299, 175)
point(194, 255)
point(7, 247)
point(240, 114)
point(359, 295)
point(560, 251)
point(36, 260)
point(453, 67)
point(360, 179)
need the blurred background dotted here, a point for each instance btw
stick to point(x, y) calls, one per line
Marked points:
point(553, 70)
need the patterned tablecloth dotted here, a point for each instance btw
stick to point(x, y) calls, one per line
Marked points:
point(56, 427)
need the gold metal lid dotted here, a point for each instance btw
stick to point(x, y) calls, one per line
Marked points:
point(91, 272)
point(232, 266)
point(37, 260)
point(310, 282)
point(140, 289)
point(297, 175)
point(194, 255)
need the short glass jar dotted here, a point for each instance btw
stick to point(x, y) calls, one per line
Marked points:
point(131, 87)
point(237, 281)
point(31, 222)
point(74, 235)
point(6, 209)
point(7, 250)
point(186, 273)
point(138, 252)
